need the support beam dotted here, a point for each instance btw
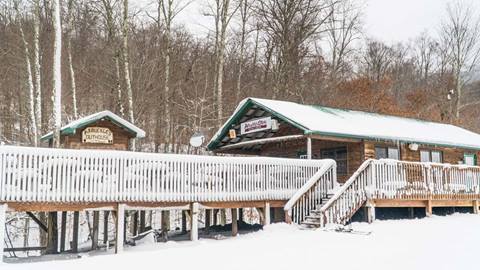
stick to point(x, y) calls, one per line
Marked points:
point(194, 221)
point(63, 231)
point(309, 148)
point(120, 228)
point(428, 208)
point(234, 221)
point(40, 224)
point(52, 243)
point(165, 222)
point(105, 226)
point(240, 214)
point(208, 219)
point(76, 225)
point(95, 231)
point(184, 221)
point(142, 221)
point(266, 213)
point(3, 213)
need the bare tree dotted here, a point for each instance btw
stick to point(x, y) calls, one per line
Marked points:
point(69, 56)
point(36, 61)
point(126, 67)
point(244, 16)
point(460, 36)
point(31, 90)
point(425, 50)
point(343, 28)
point(57, 73)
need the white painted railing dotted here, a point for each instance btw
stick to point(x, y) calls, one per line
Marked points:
point(310, 195)
point(392, 179)
point(62, 175)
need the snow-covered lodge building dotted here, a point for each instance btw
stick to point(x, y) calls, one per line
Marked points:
point(291, 130)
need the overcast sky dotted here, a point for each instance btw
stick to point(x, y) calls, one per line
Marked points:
point(401, 20)
point(388, 20)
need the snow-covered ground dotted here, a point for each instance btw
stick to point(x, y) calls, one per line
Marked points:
point(450, 242)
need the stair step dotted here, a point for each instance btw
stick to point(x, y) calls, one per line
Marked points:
point(311, 223)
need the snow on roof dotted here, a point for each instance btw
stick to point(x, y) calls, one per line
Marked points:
point(79, 123)
point(346, 123)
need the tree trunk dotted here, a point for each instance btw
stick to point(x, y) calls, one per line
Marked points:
point(127, 68)
point(57, 75)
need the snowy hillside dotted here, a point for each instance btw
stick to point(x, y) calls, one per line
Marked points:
point(430, 243)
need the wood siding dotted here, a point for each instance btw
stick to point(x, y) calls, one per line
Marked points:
point(121, 138)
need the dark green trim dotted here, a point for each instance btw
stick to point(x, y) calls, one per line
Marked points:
point(237, 116)
point(349, 136)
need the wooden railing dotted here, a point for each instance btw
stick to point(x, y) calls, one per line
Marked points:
point(392, 179)
point(350, 197)
point(62, 175)
point(309, 196)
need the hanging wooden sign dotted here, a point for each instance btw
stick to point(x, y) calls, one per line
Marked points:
point(97, 135)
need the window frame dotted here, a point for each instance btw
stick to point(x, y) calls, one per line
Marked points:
point(430, 155)
point(335, 150)
point(386, 148)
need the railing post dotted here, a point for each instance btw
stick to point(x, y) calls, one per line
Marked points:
point(373, 181)
point(3, 213)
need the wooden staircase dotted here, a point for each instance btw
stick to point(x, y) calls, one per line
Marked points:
point(314, 219)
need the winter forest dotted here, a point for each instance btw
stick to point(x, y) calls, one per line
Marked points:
point(139, 61)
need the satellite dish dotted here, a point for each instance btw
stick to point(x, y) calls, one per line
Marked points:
point(197, 139)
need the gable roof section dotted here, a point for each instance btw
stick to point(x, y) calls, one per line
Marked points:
point(82, 122)
point(313, 119)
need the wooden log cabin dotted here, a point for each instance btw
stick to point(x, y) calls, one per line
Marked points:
point(395, 162)
point(285, 129)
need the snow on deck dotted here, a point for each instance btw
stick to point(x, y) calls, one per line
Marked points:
point(431, 243)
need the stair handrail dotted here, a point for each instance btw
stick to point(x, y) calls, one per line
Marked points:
point(329, 165)
point(344, 188)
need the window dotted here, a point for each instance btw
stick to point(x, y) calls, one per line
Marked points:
point(339, 155)
point(387, 152)
point(469, 159)
point(431, 156)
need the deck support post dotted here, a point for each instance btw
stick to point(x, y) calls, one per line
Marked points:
point(52, 243)
point(234, 221)
point(184, 221)
point(63, 231)
point(76, 225)
point(370, 205)
point(240, 214)
point(208, 219)
point(266, 213)
point(476, 205)
point(120, 227)
point(165, 222)
point(309, 148)
point(142, 221)
point(194, 208)
point(96, 223)
point(428, 208)
point(105, 226)
point(3, 213)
